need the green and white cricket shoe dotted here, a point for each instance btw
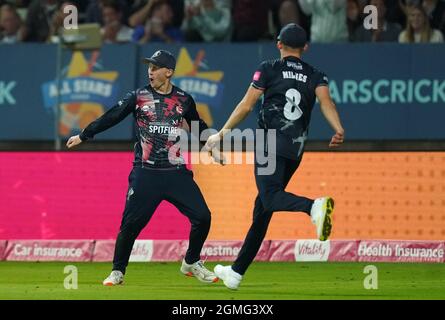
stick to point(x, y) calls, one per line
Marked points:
point(198, 271)
point(115, 278)
point(321, 216)
point(230, 278)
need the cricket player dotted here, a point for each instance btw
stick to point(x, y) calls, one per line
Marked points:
point(290, 87)
point(159, 171)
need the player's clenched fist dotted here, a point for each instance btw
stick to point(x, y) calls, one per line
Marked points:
point(218, 156)
point(337, 139)
point(73, 141)
point(212, 141)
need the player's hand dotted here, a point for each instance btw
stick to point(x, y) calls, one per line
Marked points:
point(73, 141)
point(218, 156)
point(337, 139)
point(212, 141)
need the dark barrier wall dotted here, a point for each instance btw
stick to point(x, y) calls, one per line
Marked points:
point(389, 91)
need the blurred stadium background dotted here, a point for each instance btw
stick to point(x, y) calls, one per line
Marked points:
point(388, 179)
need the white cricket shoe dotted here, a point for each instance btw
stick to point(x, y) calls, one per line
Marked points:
point(230, 278)
point(115, 278)
point(321, 213)
point(198, 271)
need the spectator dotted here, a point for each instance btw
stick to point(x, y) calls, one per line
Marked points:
point(159, 26)
point(21, 7)
point(394, 12)
point(385, 32)
point(10, 25)
point(418, 28)
point(40, 12)
point(81, 6)
point(353, 14)
point(57, 21)
point(288, 13)
point(207, 20)
point(435, 9)
point(250, 19)
point(328, 22)
point(283, 6)
point(113, 30)
point(94, 11)
point(141, 10)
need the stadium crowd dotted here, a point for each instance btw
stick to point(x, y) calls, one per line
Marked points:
point(169, 21)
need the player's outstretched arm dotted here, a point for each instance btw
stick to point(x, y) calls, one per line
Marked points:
point(330, 113)
point(110, 118)
point(242, 110)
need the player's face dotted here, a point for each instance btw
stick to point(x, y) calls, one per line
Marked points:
point(157, 76)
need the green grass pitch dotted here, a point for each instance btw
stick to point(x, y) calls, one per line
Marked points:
point(264, 280)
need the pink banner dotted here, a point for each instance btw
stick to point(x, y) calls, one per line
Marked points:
point(225, 250)
point(282, 250)
point(401, 251)
point(271, 250)
point(2, 249)
point(313, 250)
point(73, 195)
point(343, 250)
point(103, 251)
point(143, 251)
point(49, 250)
point(166, 250)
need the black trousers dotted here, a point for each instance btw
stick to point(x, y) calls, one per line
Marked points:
point(271, 197)
point(147, 188)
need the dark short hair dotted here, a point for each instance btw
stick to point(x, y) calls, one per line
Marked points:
point(114, 4)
